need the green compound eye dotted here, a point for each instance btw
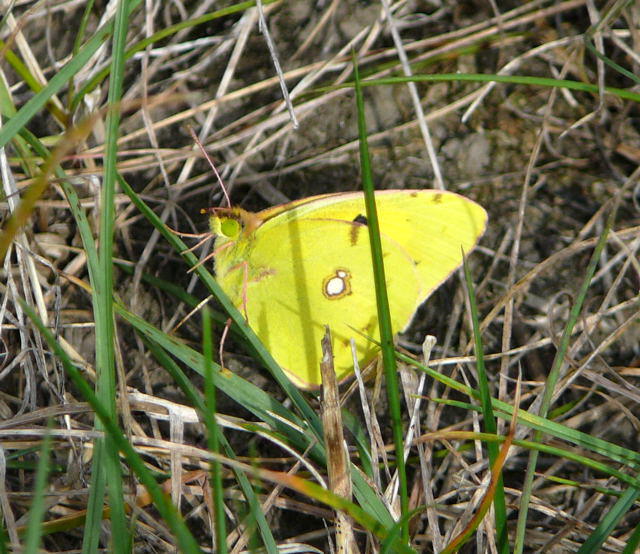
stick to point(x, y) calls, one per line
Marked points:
point(230, 228)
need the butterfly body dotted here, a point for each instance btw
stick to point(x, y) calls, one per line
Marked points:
point(298, 267)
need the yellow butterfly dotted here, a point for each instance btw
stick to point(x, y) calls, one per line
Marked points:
point(300, 266)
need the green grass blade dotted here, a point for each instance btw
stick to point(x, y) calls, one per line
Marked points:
point(248, 395)
point(511, 79)
point(60, 79)
point(208, 415)
point(102, 297)
point(38, 504)
point(77, 44)
point(612, 12)
point(554, 375)
point(166, 509)
point(489, 419)
point(633, 542)
point(161, 35)
point(29, 79)
point(257, 402)
point(79, 214)
point(503, 410)
point(4, 540)
point(382, 303)
point(195, 397)
point(95, 506)
point(95, 502)
point(553, 450)
point(620, 510)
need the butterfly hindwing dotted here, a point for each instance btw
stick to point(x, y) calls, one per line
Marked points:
point(307, 273)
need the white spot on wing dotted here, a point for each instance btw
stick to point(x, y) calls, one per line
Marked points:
point(337, 284)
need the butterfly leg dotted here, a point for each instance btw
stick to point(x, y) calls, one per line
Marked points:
point(207, 237)
point(206, 234)
point(245, 283)
point(208, 256)
point(223, 338)
point(186, 317)
point(244, 266)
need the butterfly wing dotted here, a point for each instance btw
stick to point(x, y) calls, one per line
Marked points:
point(307, 264)
point(304, 273)
point(433, 227)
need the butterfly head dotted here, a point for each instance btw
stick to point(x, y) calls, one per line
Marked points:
point(232, 224)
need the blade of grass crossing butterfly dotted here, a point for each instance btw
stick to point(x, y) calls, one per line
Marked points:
point(382, 302)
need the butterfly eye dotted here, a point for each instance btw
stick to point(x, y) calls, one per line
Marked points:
point(230, 228)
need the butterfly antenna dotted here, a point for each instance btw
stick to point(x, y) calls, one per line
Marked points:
point(215, 171)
